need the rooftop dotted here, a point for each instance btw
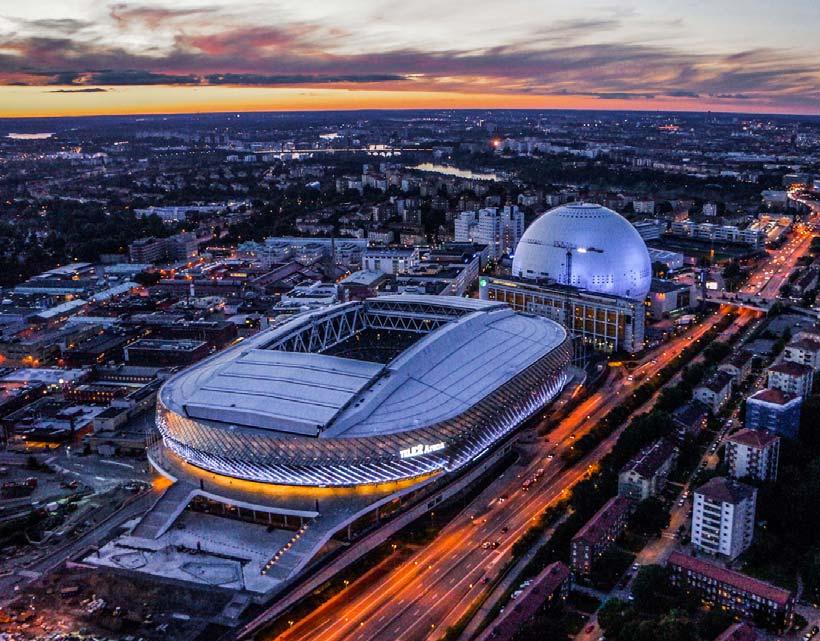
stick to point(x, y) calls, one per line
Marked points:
point(480, 346)
point(730, 577)
point(690, 413)
point(809, 344)
point(740, 358)
point(275, 390)
point(718, 382)
point(723, 490)
point(772, 395)
point(365, 278)
point(180, 345)
point(390, 251)
point(791, 369)
point(598, 526)
point(528, 603)
point(651, 458)
point(666, 286)
point(757, 439)
point(60, 310)
point(45, 375)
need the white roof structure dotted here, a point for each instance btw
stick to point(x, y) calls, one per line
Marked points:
point(586, 246)
point(61, 309)
point(448, 371)
point(479, 348)
point(280, 390)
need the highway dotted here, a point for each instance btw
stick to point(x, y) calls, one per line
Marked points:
point(438, 584)
point(763, 286)
point(767, 281)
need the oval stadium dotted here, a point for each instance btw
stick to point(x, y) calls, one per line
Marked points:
point(385, 389)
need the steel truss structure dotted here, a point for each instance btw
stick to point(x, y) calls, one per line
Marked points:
point(339, 324)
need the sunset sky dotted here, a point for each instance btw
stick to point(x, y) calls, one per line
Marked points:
point(67, 57)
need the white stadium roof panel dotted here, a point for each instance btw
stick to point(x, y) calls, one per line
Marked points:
point(449, 371)
point(470, 304)
point(279, 390)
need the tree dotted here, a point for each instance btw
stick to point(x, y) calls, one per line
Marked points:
point(732, 270)
point(650, 587)
point(650, 517)
point(809, 433)
point(542, 627)
point(692, 374)
point(673, 397)
point(732, 274)
point(675, 626)
point(713, 623)
point(716, 352)
point(613, 616)
point(811, 575)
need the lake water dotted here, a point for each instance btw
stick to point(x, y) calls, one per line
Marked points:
point(43, 136)
point(455, 171)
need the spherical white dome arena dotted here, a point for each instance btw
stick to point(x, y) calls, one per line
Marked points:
point(586, 246)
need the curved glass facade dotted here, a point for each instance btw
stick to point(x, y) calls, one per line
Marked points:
point(260, 455)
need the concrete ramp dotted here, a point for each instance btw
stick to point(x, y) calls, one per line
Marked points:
point(165, 511)
point(301, 551)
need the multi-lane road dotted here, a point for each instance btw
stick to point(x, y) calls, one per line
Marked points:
point(437, 585)
point(769, 278)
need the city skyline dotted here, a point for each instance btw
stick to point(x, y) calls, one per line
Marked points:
point(82, 58)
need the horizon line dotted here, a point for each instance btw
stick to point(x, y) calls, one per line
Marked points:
point(218, 112)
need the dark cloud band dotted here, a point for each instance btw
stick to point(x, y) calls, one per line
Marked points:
point(547, 63)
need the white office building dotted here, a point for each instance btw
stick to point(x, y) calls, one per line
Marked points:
point(720, 233)
point(390, 260)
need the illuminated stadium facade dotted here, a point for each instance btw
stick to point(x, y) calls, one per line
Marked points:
point(386, 389)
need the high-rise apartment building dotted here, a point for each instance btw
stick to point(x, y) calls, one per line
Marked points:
point(792, 378)
point(753, 453)
point(723, 517)
point(500, 228)
point(775, 411)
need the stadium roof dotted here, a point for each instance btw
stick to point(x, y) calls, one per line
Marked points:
point(276, 389)
point(439, 376)
point(448, 371)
